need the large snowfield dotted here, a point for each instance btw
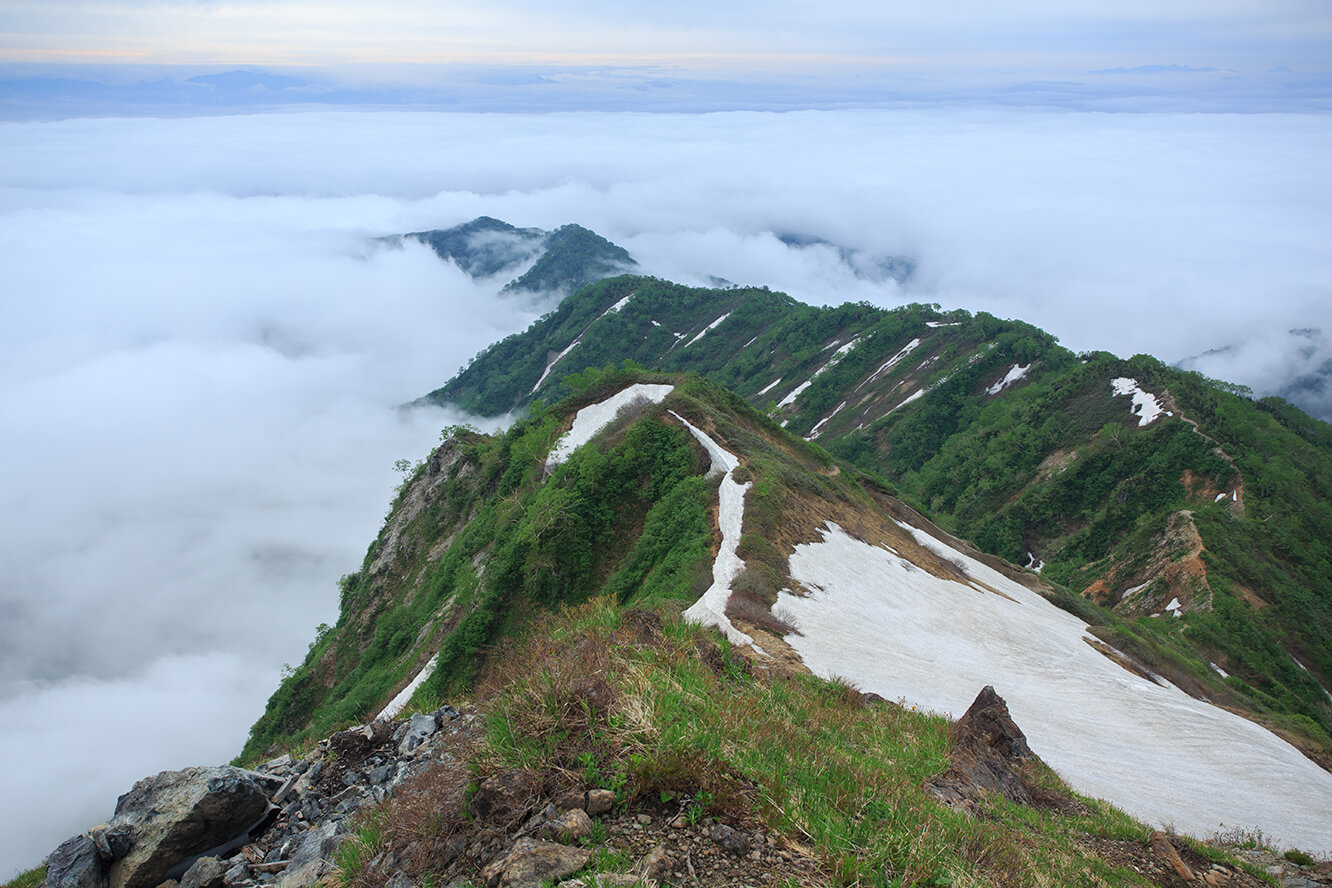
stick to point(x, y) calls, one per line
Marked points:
point(1168, 759)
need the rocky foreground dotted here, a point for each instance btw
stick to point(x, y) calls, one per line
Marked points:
point(292, 823)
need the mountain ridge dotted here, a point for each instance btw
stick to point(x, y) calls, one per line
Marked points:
point(1025, 448)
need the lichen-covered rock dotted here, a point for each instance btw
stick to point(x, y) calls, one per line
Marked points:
point(529, 863)
point(175, 815)
point(570, 826)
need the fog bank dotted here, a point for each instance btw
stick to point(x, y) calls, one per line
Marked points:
point(202, 345)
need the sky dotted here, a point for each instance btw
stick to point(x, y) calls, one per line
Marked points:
point(143, 56)
point(203, 345)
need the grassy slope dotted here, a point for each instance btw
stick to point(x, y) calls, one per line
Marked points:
point(673, 720)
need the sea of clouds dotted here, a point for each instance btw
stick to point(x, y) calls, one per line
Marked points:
point(203, 345)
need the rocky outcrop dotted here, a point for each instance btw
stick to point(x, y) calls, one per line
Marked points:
point(177, 815)
point(989, 750)
point(226, 827)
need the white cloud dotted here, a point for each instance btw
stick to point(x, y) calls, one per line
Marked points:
point(201, 345)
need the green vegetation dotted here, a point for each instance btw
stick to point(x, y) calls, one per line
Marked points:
point(659, 712)
point(484, 246)
point(1054, 465)
point(33, 878)
point(573, 257)
point(629, 513)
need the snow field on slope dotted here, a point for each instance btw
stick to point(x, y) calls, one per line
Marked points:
point(710, 609)
point(892, 362)
point(595, 417)
point(795, 392)
point(1145, 405)
point(1016, 372)
point(1162, 756)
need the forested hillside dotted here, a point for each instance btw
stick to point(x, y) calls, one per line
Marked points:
point(1201, 516)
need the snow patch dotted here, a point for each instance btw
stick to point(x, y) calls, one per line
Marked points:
point(841, 352)
point(918, 393)
point(795, 393)
point(1219, 497)
point(770, 386)
point(595, 417)
point(943, 323)
point(397, 703)
point(558, 358)
point(837, 356)
point(1033, 565)
point(710, 610)
point(1173, 606)
point(704, 331)
point(891, 362)
point(1134, 590)
point(1145, 405)
point(814, 432)
point(1218, 670)
point(1016, 372)
point(579, 338)
point(895, 630)
point(655, 323)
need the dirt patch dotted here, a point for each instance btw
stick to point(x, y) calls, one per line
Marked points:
point(1175, 570)
point(1199, 488)
point(1055, 463)
point(1120, 659)
point(1153, 862)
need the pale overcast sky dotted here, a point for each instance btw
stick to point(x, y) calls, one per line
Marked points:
point(844, 33)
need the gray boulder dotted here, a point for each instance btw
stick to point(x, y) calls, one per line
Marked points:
point(176, 815)
point(206, 872)
point(75, 864)
point(312, 857)
point(113, 842)
point(419, 729)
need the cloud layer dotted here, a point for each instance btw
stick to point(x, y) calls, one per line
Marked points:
point(201, 344)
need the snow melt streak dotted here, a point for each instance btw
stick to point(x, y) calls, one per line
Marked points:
point(704, 331)
point(710, 610)
point(595, 417)
point(1156, 752)
point(397, 703)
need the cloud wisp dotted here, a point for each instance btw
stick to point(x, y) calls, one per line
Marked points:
point(202, 343)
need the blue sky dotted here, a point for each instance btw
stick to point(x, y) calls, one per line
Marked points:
point(520, 55)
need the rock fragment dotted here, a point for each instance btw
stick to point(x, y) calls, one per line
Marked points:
point(529, 863)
